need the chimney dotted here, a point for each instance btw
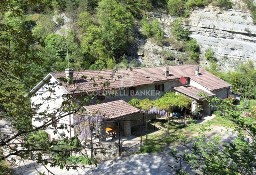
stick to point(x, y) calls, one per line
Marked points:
point(69, 75)
point(167, 73)
point(197, 72)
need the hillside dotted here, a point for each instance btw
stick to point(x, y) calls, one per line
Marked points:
point(143, 34)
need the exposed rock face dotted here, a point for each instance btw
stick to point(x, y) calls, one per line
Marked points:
point(152, 54)
point(230, 34)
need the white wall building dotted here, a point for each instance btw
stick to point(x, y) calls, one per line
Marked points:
point(50, 94)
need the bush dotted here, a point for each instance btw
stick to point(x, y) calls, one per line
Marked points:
point(193, 49)
point(225, 4)
point(74, 160)
point(176, 7)
point(38, 139)
point(60, 21)
point(146, 28)
point(158, 33)
point(252, 7)
point(152, 30)
point(196, 3)
point(209, 55)
point(192, 46)
point(180, 32)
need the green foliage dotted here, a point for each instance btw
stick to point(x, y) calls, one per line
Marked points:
point(158, 33)
point(152, 29)
point(137, 8)
point(252, 7)
point(243, 80)
point(209, 55)
point(176, 7)
point(38, 139)
point(211, 156)
point(84, 21)
point(193, 50)
point(159, 3)
point(196, 3)
point(107, 40)
point(192, 46)
point(146, 28)
point(167, 101)
point(144, 104)
point(116, 24)
point(178, 31)
point(84, 160)
point(183, 8)
point(172, 99)
point(135, 102)
point(225, 4)
point(44, 26)
point(5, 168)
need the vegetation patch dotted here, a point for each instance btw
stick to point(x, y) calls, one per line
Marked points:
point(84, 160)
point(252, 7)
point(184, 7)
point(152, 29)
point(5, 168)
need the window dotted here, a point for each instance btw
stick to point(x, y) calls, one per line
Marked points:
point(159, 87)
point(132, 91)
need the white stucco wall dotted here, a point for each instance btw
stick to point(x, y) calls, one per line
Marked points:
point(48, 100)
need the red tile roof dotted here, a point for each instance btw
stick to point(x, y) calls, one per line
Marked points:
point(89, 80)
point(113, 109)
point(193, 92)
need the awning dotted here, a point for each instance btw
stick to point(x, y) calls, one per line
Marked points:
point(193, 92)
point(113, 109)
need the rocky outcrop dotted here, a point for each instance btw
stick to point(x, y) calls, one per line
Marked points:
point(152, 54)
point(230, 34)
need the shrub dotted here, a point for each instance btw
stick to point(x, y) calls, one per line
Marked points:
point(74, 160)
point(146, 28)
point(209, 55)
point(167, 55)
point(158, 33)
point(176, 7)
point(192, 46)
point(252, 7)
point(60, 21)
point(196, 3)
point(178, 31)
point(225, 4)
point(152, 29)
point(193, 49)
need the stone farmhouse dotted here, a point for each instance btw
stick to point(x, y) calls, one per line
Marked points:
point(112, 89)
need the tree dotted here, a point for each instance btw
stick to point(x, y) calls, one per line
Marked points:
point(137, 8)
point(20, 70)
point(178, 31)
point(211, 156)
point(176, 7)
point(116, 24)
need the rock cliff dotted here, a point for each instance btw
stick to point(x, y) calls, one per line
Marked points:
point(231, 34)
